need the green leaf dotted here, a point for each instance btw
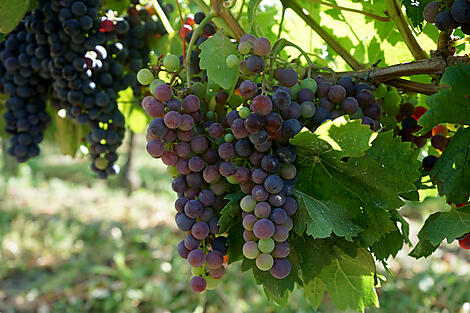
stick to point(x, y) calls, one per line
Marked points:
point(423, 249)
point(117, 5)
point(11, 13)
point(235, 243)
point(231, 214)
point(389, 245)
point(350, 281)
point(135, 117)
point(451, 173)
point(325, 217)
point(314, 292)
point(214, 51)
point(452, 104)
point(414, 11)
point(69, 135)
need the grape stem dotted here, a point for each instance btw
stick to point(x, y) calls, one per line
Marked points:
point(163, 18)
point(195, 35)
point(281, 22)
point(371, 15)
point(253, 18)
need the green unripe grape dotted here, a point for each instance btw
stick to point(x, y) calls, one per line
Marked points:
point(248, 204)
point(232, 61)
point(234, 101)
point(288, 171)
point(171, 62)
point(391, 103)
point(244, 47)
point(250, 250)
point(309, 83)
point(197, 271)
point(211, 282)
point(357, 115)
point(228, 138)
point(154, 84)
point(172, 170)
point(266, 245)
point(308, 109)
point(231, 179)
point(101, 163)
point(244, 112)
point(210, 115)
point(144, 76)
point(294, 89)
point(381, 91)
point(199, 89)
point(264, 262)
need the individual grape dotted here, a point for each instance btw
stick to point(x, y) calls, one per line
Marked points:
point(171, 62)
point(373, 124)
point(445, 22)
point(206, 197)
point(179, 204)
point(263, 229)
point(429, 162)
point(184, 223)
point(246, 187)
point(244, 47)
point(430, 11)
point(199, 144)
point(270, 164)
point(293, 111)
point(244, 112)
point(264, 262)
point(196, 164)
point(291, 127)
point(215, 130)
point(155, 148)
point(349, 105)
point(242, 174)
point(255, 64)
point(250, 250)
point(281, 99)
point(247, 204)
point(290, 206)
point(461, 11)
point(374, 111)
point(273, 122)
point(193, 208)
point(163, 92)
point(238, 129)
point(209, 29)
point(262, 210)
point(464, 243)
point(281, 268)
point(187, 122)
point(157, 128)
point(231, 117)
point(197, 271)
point(221, 97)
point(182, 167)
point(288, 171)
point(266, 245)
point(144, 76)
point(278, 216)
point(182, 250)
point(440, 130)
point(248, 38)
point(258, 176)
point(281, 250)
point(255, 158)
point(248, 89)
point(409, 124)
point(264, 147)
point(191, 104)
point(220, 244)
point(211, 174)
point(439, 142)
point(305, 95)
point(254, 123)
point(154, 108)
point(248, 236)
point(169, 157)
point(321, 115)
point(172, 120)
point(198, 284)
point(323, 88)
point(286, 154)
point(183, 149)
point(199, 17)
point(154, 84)
point(289, 224)
point(288, 77)
point(217, 273)
point(261, 46)
point(281, 233)
point(262, 105)
point(243, 148)
point(309, 83)
point(259, 193)
point(196, 258)
point(258, 139)
point(248, 222)
point(226, 169)
point(273, 184)
point(191, 243)
point(214, 259)
point(200, 230)
point(232, 61)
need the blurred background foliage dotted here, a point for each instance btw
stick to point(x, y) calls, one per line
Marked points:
point(72, 243)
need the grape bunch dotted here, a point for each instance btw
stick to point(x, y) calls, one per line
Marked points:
point(449, 16)
point(23, 56)
point(177, 135)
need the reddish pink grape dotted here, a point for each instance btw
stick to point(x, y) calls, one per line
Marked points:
point(238, 129)
point(169, 157)
point(155, 148)
point(215, 130)
point(248, 89)
point(262, 105)
point(217, 273)
point(281, 268)
point(196, 258)
point(263, 229)
point(214, 259)
point(187, 122)
point(196, 164)
point(191, 104)
point(242, 174)
point(163, 92)
point(211, 174)
point(154, 108)
point(198, 284)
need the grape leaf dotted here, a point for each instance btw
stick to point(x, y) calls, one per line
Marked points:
point(325, 217)
point(214, 51)
point(451, 173)
point(452, 104)
point(231, 213)
point(11, 13)
point(235, 243)
point(414, 11)
point(350, 281)
point(423, 249)
point(314, 292)
point(134, 115)
point(69, 135)
point(389, 245)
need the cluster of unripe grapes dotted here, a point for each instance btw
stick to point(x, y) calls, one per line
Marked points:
point(87, 60)
point(447, 15)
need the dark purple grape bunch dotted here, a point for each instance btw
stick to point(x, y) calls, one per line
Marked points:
point(25, 78)
point(178, 135)
point(449, 17)
point(254, 51)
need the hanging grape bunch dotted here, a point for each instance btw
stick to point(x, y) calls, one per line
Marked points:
point(449, 16)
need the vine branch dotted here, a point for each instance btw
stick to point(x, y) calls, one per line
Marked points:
point(225, 14)
point(330, 40)
point(398, 18)
point(372, 15)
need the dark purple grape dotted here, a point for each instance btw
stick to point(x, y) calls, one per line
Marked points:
point(259, 138)
point(163, 92)
point(194, 180)
point(179, 184)
point(191, 104)
point(200, 230)
point(263, 229)
point(430, 11)
point(278, 216)
point(182, 167)
point(211, 174)
point(365, 98)
point(259, 193)
point(214, 259)
point(445, 22)
point(155, 147)
point(255, 64)
point(323, 88)
point(183, 149)
point(210, 156)
point(206, 197)
point(184, 223)
point(157, 128)
point(226, 169)
point(226, 151)
point(321, 115)
point(255, 158)
point(196, 258)
point(292, 111)
point(286, 154)
point(238, 129)
point(305, 94)
point(215, 130)
point(191, 243)
point(262, 210)
point(243, 148)
point(273, 122)
point(261, 46)
point(193, 208)
point(217, 273)
point(288, 77)
point(249, 221)
point(196, 164)
point(273, 184)
point(248, 89)
point(254, 123)
point(174, 104)
point(429, 162)
point(290, 206)
point(258, 176)
point(337, 94)
point(179, 204)
point(262, 105)
point(281, 268)
point(281, 99)
point(291, 127)
point(278, 199)
point(198, 284)
point(231, 117)
point(187, 122)
point(281, 233)
point(281, 250)
point(199, 144)
point(182, 250)
point(242, 174)
point(349, 105)
point(374, 111)
point(347, 83)
point(270, 164)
